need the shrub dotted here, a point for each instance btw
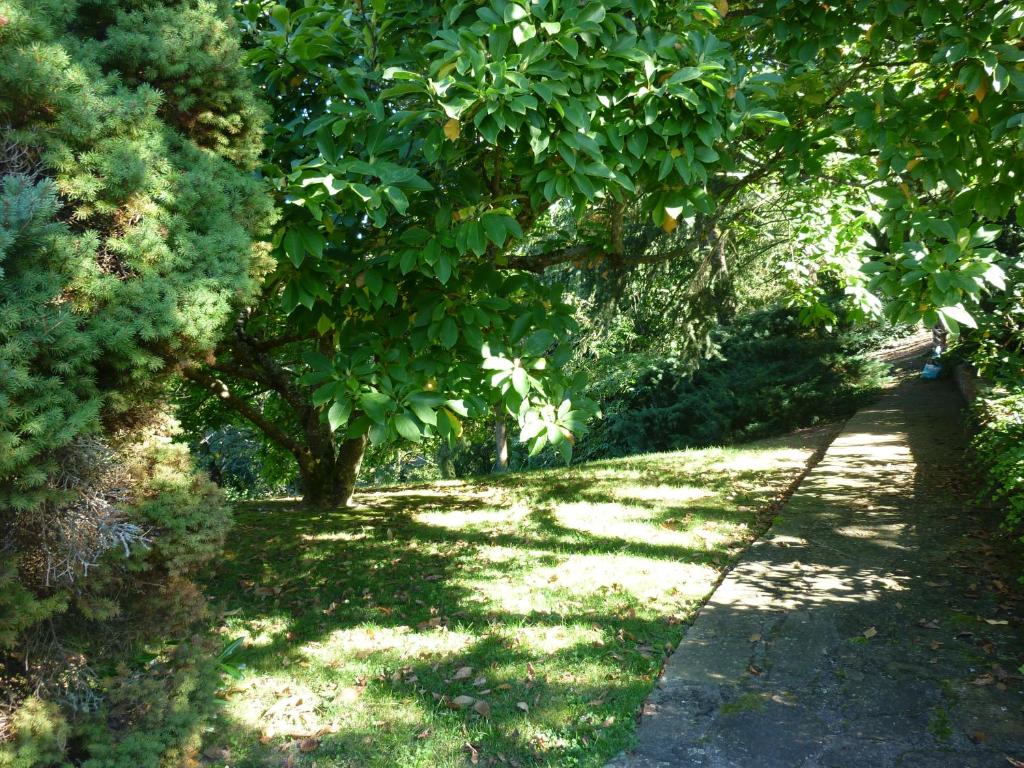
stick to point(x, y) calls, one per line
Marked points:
point(770, 375)
point(999, 449)
point(128, 210)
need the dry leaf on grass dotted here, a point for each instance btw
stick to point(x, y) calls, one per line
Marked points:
point(482, 708)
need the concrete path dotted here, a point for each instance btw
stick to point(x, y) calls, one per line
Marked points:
point(874, 625)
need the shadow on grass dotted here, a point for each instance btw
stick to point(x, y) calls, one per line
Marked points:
point(529, 582)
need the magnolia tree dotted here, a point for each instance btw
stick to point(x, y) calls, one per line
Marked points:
point(416, 148)
point(421, 152)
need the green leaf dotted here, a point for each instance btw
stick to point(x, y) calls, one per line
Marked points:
point(339, 413)
point(960, 315)
point(521, 382)
point(593, 14)
point(523, 32)
point(294, 247)
point(424, 413)
point(374, 404)
point(538, 342)
point(767, 116)
point(407, 428)
point(494, 226)
point(449, 332)
point(684, 75)
point(397, 198)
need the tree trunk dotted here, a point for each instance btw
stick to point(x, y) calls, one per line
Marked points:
point(500, 442)
point(328, 481)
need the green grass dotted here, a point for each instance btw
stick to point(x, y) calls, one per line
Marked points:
point(552, 596)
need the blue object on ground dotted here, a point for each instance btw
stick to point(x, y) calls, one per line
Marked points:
point(931, 371)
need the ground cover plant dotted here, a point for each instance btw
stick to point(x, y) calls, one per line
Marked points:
point(518, 621)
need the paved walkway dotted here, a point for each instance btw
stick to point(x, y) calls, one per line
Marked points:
point(873, 626)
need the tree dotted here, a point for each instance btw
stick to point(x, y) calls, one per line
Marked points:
point(423, 154)
point(927, 90)
point(127, 211)
point(418, 147)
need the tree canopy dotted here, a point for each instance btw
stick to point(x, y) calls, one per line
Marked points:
point(431, 161)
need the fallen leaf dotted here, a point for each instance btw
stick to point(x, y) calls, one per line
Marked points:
point(424, 734)
point(996, 621)
point(462, 673)
point(522, 705)
point(870, 632)
point(928, 624)
point(608, 721)
point(754, 638)
point(754, 669)
point(983, 680)
point(474, 755)
point(461, 702)
point(482, 708)
point(977, 736)
point(217, 754)
point(308, 745)
point(480, 682)
point(1014, 762)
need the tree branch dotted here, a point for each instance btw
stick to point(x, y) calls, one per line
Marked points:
point(246, 410)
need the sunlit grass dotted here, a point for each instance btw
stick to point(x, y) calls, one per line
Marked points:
point(547, 601)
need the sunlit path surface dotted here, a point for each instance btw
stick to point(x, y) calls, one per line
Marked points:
point(871, 627)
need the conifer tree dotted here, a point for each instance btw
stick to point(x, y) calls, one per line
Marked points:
point(128, 209)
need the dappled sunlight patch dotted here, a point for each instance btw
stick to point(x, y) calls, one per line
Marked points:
point(662, 494)
point(644, 580)
point(549, 639)
point(335, 536)
point(400, 641)
point(276, 705)
point(446, 495)
point(796, 585)
point(634, 525)
point(883, 535)
point(461, 518)
point(761, 461)
point(259, 632)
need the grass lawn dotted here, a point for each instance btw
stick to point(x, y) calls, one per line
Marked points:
point(519, 621)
